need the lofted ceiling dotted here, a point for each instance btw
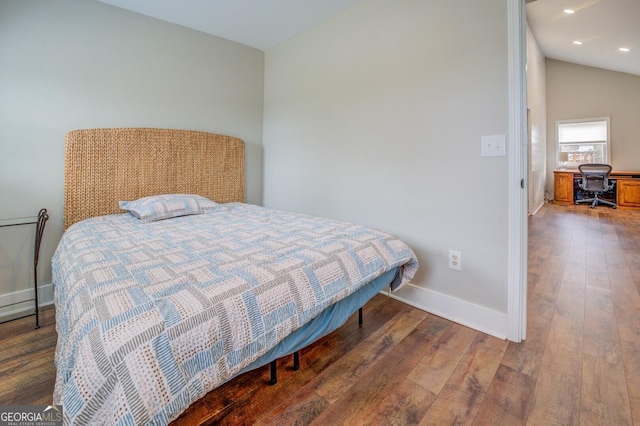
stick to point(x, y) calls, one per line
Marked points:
point(601, 25)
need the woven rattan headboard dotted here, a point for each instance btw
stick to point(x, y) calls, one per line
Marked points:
point(104, 166)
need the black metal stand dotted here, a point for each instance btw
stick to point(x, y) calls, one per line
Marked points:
point(43, 216)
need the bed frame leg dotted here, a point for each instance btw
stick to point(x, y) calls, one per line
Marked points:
point(296, 361)
point(296, 358)
point(274, 373)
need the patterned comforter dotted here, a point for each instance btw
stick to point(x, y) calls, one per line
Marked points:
point(150, 317)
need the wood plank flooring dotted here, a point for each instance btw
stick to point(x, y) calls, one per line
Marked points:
point(580, 363)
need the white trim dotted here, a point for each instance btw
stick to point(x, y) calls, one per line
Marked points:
point(22, 301)
point(457, 310)
point(536, 208)
point(516, 319)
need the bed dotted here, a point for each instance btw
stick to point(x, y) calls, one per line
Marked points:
point(156, 308)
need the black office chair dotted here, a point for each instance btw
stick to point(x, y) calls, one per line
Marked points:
point(595, 179)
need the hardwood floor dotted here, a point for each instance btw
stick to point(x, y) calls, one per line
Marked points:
point(580, 363)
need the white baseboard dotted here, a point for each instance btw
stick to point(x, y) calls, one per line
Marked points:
point(462, 312)
point(19, 301)
point(538, 207)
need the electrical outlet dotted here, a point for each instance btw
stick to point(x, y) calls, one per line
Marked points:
point(455, 260)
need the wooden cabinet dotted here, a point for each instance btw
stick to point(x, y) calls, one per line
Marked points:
point(563, 186)
point(628, 192)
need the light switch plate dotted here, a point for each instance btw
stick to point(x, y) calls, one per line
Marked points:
point(493, 146)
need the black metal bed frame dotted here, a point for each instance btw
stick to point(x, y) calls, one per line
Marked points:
point(273, 368)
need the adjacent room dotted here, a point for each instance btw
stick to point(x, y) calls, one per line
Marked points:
point(427, 135)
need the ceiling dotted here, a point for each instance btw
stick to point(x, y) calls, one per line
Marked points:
point(257, 23)
point(602, 25)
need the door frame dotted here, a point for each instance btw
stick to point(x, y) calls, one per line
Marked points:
point(517, 175)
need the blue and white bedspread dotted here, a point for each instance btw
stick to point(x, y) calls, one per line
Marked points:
point(152, 316)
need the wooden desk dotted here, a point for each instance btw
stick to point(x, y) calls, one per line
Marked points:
point(627, 187)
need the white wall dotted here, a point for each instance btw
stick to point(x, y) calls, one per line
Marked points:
point(72, 64)
point(578, 91)
point(375, 116)
point(537, 106)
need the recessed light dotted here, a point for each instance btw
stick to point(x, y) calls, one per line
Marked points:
point(624, 49)
point(569, 11)
point(577, 42)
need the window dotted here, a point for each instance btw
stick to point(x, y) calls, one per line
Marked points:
point(583, 141)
